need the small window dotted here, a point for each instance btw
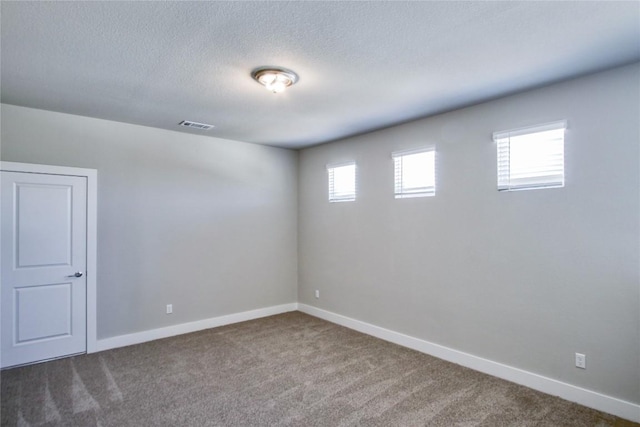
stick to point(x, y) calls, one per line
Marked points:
point(342, 182)
point(531, 158)
point(415, 173)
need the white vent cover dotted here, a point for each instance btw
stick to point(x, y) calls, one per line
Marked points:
point(201, 126)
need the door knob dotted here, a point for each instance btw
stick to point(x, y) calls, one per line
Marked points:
point(76, 274)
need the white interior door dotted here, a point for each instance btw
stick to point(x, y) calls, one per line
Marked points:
point(44, 289)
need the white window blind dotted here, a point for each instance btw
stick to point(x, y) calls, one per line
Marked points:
point(342, 182)
point(415, 173)
point(531, 158)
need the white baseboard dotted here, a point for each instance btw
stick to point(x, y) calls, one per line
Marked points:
point(591, 399)
point(184, 328)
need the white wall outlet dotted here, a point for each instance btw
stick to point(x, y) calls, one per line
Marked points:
point(581, 361)
point(317, 293)
point(169, 308)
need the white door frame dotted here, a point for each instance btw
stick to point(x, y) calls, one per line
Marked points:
point(92, 233)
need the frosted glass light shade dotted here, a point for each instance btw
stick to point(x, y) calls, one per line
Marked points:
point(275, 80)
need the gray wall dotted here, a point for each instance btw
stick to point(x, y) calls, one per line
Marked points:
point(523, 278)
point(206, 224)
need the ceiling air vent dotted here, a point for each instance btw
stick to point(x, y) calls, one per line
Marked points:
point(195, 125)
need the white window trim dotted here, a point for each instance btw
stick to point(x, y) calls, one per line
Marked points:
point(507, 134)
point(422, 192)
point(347, 198)
point(557, 125)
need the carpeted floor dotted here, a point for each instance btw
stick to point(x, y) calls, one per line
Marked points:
point(285, 370)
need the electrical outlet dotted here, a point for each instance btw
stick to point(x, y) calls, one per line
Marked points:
point(581, 361)
point(169, 308)
point(317, 293)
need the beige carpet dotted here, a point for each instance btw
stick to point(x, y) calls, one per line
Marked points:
point(285, 370)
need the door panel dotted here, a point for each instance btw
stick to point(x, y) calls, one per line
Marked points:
point(42, 243)
point(53, 305)
point(43, 303)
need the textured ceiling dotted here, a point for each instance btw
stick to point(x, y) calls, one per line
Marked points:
point(362, 65)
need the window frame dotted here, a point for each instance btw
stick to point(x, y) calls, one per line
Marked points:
point(543, 180)
point(347, 197)
point(402, 192)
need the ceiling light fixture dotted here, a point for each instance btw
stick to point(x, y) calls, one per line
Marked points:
point(275, 79)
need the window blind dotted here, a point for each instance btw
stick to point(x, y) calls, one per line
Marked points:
point(342, 182)
point(531, 157)
point(414, 173)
